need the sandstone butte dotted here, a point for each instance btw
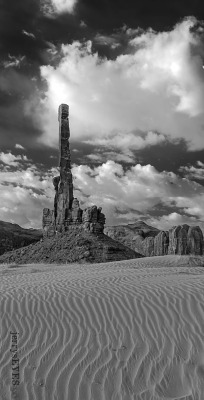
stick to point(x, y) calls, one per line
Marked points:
point(181, 239)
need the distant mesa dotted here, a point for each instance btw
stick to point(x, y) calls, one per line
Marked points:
point(149, 241)
point(12, 236)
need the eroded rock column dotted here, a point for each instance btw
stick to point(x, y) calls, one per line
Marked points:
point(67, 213)
point(63, 184)
point(161, 243)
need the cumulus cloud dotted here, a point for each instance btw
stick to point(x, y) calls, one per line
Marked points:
point(22, 206)
point(128, 158)
point(125, 142)
point(19, 146)
point(192, 172)
point(168, 62)
point(29, 178)
point(51, 7)
point(157, 85)
point(124, 194)
point(139, 189)
point(105, 40)
point(10, 159)
point(24, 193)
point(165, 222)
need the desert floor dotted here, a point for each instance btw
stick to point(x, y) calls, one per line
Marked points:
point(116, 331)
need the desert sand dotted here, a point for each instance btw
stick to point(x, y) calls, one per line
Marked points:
point(114, 331)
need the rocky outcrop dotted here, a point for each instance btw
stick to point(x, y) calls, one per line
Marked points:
point(75, 245)
point(67, 211)
point(195, 242)
point(132, 235)
point(48, 222)
point(148, 246)
point(181, 239)
point(12, 236)
point(63, 184)
point(178, 239)
point(56, 220)
point(76, 212)
point(139, 228)
point(161, 243)
point(138, 236)
point(185, 239)
point(93, 220)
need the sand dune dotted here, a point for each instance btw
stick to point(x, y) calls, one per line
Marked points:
point(115, 331)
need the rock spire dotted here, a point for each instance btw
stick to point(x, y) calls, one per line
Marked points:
point(67, 211)
point(63, 183)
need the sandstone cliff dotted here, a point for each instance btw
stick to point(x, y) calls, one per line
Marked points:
point(149, 241)
point(185, 239)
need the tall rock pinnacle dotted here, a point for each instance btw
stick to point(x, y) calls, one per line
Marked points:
point(67, 213)
point(63, 183)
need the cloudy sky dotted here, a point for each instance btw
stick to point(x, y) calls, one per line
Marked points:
point(133, 76)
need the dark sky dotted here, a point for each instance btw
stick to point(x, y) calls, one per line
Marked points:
point(104, 18)
point(32, 34)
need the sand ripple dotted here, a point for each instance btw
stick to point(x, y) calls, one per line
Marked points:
point(116, 331)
